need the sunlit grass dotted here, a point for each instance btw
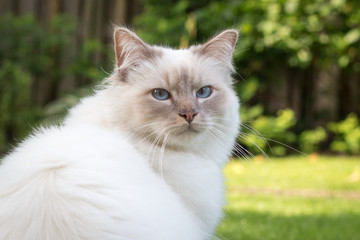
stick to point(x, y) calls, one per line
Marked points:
point(328, 173)
point(281, 217)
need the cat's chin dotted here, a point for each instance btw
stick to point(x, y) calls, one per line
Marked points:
point(190, 129)
point(187, 134)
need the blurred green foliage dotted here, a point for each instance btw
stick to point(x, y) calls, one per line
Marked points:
point(297, 31)
point(26, 54)
point(275, 34)
point(277, 129)
point(33, 47)
point(268, 133)
point(16, 108)
point(31, 54)
point(347, 135)
point(309, 140)
point(82, 68)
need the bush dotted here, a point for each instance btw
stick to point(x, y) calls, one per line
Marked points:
point(298, 39)
point(309, 140)
point(347, 135)
point(28, 54)
point(17, 111)
point(32, 69)
point(269, 134)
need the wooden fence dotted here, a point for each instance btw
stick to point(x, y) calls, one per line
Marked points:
point(94, 19)
point(316, 95)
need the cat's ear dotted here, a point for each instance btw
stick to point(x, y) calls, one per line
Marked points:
point(220, 47)
point(129, 49)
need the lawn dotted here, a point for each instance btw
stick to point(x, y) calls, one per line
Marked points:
point(293, 198)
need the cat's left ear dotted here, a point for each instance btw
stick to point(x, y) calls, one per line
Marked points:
point(130, 50)
point(220, 47)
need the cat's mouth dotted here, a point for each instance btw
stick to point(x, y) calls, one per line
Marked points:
point(190, 129)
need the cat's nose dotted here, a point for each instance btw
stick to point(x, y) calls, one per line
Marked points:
point(188, 115)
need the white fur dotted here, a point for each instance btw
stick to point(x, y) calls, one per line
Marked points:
point(100, 189)
point(88, 179)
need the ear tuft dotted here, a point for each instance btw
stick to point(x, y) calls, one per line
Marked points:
point(129, 47)
point(220, 47)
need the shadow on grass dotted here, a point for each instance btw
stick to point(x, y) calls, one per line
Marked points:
point(250, 225)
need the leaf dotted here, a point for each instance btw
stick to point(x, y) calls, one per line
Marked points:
point(352, 36)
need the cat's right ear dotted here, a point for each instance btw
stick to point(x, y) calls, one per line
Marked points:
point(129, 49)
point(220, 47)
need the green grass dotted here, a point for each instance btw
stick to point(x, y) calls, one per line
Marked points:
point(327, 173)
point(259, 215)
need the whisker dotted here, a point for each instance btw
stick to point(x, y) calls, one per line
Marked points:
point(223, 126)
point(145, 138)
point(135, 130)
point(155, 145)
point(162, 152)
point(152, 145)
point(245, 136)
point(256, 132)
point(283, 144)
point(247, 152)
point(239, 149)
point(243, 156)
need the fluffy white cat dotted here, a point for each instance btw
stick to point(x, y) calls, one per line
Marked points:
point(140, 159)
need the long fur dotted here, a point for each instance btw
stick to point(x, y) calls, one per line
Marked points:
point(124, 165)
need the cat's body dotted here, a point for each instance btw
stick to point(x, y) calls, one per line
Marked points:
point(127, 163)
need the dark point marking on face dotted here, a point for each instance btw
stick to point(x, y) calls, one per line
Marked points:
point(214, 103)
point(166, 77)
point(184, 75)
point(154, 110)
point(186, 80)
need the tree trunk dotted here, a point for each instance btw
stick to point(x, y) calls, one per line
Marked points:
point(295, 91)
point(349, 94)
point(7, 6)
point(68, 83)
point(119, 12)
point(27, 7)
point(326, 95)
point(276, 93)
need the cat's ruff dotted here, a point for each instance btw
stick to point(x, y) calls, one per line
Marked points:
point(125, 165)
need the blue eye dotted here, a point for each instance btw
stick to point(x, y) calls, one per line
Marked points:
point(204, 92)
point(160, 94)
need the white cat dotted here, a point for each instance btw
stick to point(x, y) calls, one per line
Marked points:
point(140, 159)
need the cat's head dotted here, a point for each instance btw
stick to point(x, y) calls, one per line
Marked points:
point(174, 96)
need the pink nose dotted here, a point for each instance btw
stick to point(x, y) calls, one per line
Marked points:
point(188, 115)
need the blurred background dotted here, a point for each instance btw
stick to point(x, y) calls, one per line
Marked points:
point(298, 62)
point(298, 78)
